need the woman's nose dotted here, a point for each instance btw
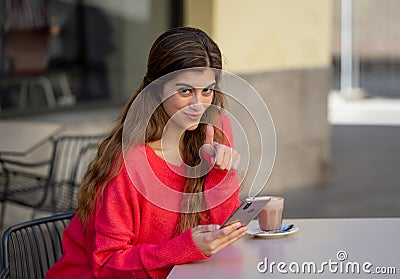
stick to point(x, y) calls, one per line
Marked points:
point(197, 97)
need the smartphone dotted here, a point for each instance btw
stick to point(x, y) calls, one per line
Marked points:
point(247, 211)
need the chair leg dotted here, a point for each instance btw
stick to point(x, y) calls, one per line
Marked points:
point(48, 91)
point(23, 94)
point(2, 214)
point(67, 98)
point(33, 214)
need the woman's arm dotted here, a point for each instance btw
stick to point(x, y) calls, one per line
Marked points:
point(116, 250)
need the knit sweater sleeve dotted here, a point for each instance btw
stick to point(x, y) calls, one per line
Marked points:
point(114, 248)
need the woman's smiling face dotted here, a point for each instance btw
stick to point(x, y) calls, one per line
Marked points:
point(187, 96)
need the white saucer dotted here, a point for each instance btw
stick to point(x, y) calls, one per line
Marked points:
point(253, 229)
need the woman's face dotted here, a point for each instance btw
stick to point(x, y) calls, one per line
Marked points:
point(187, 96)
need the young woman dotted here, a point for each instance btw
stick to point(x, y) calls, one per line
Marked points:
point(127, 225)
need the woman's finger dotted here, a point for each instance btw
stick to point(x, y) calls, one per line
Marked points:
point(233, 237)
point(227, 159)
point(205, 228)
point(227, 238)
point(209, 135)
point(219, 156)
point(236, 160)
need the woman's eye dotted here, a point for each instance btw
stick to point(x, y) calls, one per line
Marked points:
point(208, 91)
point(185, 91)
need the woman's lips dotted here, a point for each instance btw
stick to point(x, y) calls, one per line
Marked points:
point(193, 116)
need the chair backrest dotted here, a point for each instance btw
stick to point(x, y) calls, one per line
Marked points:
point(72, 154)
point(24, 36)
point(27, 51)
point(29, 249)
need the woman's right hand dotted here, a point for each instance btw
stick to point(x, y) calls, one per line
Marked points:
point(211, 238)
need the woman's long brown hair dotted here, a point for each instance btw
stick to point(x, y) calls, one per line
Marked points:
point(176, 49)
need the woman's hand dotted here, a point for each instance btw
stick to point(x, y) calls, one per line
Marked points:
point(210, 238)
point(223, 157)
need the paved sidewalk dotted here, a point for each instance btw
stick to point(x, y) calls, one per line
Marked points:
point(364, 176)
point(365, 167)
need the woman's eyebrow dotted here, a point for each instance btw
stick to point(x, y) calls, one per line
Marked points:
point(190, 86)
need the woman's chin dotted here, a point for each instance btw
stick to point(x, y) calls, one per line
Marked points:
point(192, 127)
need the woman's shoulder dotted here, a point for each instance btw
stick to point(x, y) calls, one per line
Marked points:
point(131, 159)
point(135, 158)
point(138, 163)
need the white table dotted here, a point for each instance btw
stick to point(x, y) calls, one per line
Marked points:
point(18, 138)
point(364, 241)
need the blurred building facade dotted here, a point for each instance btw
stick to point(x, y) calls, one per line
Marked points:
point(375, 39)
point(284, 49)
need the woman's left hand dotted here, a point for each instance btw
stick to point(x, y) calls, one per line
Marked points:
point(211, 238)
point(223, 157)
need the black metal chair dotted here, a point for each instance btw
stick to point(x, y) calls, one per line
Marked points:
point(54, 192)
point(29, 249)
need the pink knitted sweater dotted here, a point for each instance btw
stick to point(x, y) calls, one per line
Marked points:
point(128, 236)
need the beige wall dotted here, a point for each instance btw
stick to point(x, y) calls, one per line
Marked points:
point(263, 35)
point(199, 14)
